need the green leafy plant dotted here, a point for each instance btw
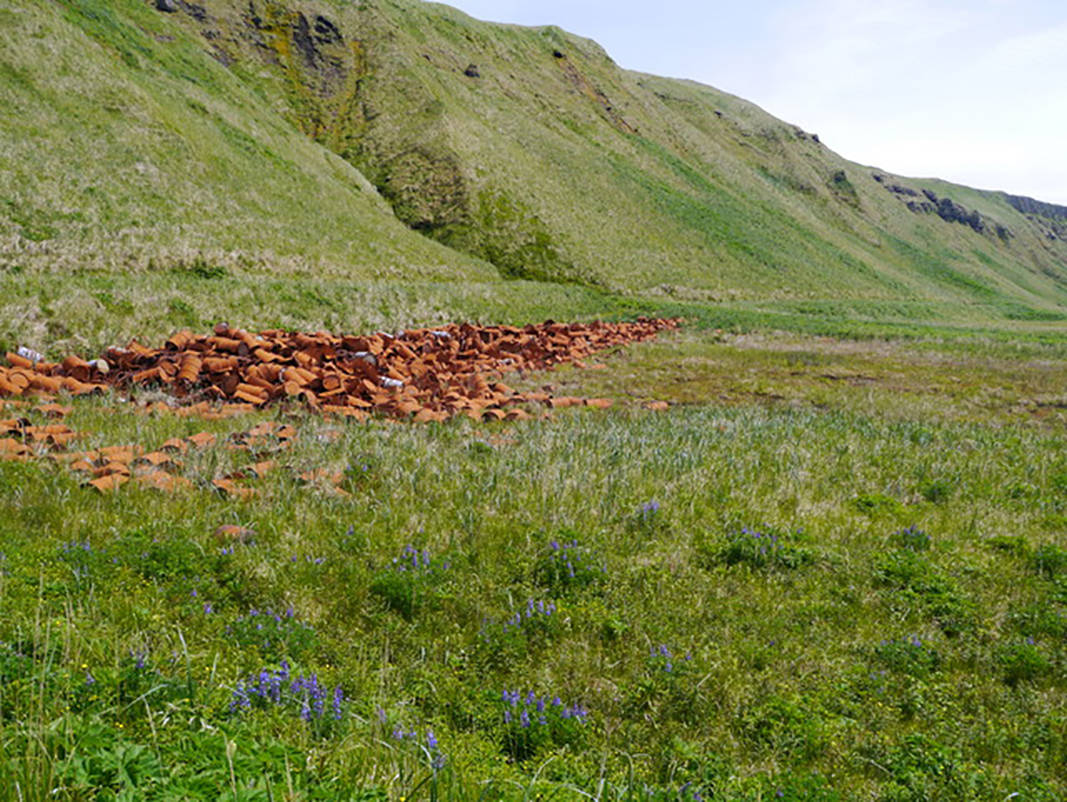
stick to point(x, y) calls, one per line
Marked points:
point(1022, 661)
point(273, 634)
point(769, 549)
point(413, 581)
point(532, 723)
point(567, 567)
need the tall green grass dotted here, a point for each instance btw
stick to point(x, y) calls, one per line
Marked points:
point(845, 658)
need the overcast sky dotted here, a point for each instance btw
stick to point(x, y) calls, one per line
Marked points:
point(974, 92)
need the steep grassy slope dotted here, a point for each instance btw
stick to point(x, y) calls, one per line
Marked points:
point(124, 144)
point(291, 136)
point(532, 149)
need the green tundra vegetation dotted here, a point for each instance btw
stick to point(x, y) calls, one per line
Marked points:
point(834, 569)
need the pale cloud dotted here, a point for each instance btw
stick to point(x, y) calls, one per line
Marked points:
point(924, 88)
point(1046, 48)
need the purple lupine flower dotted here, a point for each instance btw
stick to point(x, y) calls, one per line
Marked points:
point(398, 733)
point(524, 719)
point(431, 740)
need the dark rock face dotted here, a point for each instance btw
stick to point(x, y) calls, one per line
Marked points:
point(945, 208)
point(1040, 208)
point(197, 12)
point(302, 40)
point(326, 32)
point(472, 71)
point(951, 212)
point(168, 6)
point(310, 39)
point(843, 188)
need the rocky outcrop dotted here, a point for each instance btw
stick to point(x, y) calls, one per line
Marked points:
point(929, 202)
point(1029, 206)
point(1049, 218)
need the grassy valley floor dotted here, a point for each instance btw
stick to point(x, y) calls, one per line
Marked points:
point(833, 569)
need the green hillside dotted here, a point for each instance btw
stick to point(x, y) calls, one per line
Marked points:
point(125, 145)
point(350, 142)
